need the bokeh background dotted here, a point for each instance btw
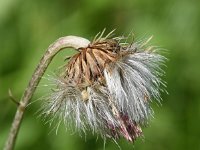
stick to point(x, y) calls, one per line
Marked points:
point(27, 28)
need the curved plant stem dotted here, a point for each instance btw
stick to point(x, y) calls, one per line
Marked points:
point(61, 43)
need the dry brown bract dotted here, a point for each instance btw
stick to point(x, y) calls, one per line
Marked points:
point(87, 66)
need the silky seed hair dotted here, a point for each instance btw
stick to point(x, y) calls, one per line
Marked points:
point(107, 87)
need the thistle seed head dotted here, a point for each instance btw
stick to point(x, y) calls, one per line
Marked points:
point(107, 87)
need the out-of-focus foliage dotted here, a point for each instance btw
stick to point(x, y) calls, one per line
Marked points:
point(28, 27)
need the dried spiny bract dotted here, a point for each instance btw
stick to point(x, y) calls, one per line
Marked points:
point(107, 86)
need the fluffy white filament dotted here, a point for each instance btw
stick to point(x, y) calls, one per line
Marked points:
point(133, 81)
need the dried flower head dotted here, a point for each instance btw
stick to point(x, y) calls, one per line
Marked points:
point(107, 87)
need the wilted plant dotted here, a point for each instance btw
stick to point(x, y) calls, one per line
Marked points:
point(106, 87)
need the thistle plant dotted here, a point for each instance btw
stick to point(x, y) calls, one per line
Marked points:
point(106, 87)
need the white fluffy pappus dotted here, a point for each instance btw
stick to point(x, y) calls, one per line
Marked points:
point(107, 89)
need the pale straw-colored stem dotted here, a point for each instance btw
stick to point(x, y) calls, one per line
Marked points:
point(61, 43)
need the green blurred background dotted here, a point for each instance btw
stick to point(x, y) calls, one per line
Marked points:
point(28, 27)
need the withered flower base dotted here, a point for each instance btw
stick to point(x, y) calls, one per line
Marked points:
point(106, 87)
